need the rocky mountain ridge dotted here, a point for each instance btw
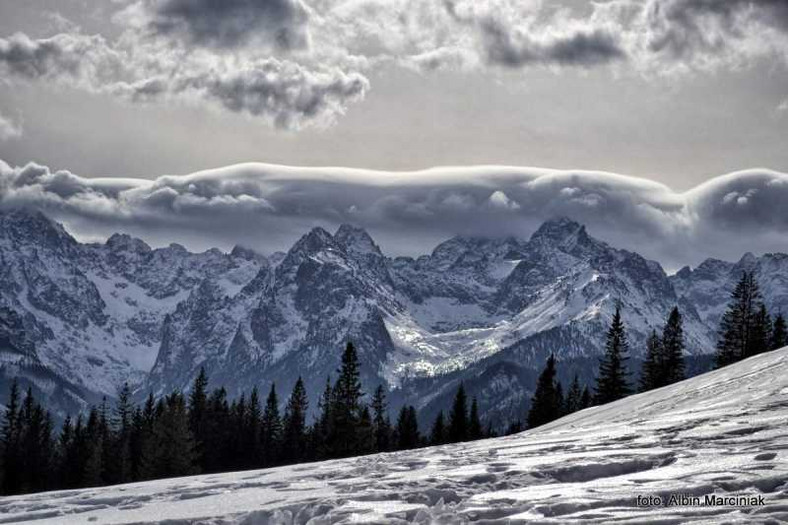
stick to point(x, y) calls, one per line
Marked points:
point(91, 316)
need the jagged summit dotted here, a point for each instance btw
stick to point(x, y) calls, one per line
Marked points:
point(560, 231)
point(32, 226)
point(355, 240)
point(123, 241)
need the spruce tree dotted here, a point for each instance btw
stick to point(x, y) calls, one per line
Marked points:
point(585, 399)
point(474, 423)
point(573, 396)
point(294, 441)
point(761, 331)
point(93, 445)
point(11, 442)
point(120, 467)
point(560, 402)
point(652, 365)
point(612, 383)
point(216, 433)
point(458, 417)
point(174, 443)
point(198, 406)
point(737, 332)
point(381, 420)
point(271, 430)
point(346, 403)
point(365, 433)
point(407, 428)
point(545, 403)
point(253, 431)
point(672, 349)
point(779, 333)
point(438, 432)
point(323, 427)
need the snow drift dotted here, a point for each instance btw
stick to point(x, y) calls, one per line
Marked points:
point(721, 434)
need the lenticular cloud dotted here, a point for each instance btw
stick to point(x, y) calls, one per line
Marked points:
point(267, 206)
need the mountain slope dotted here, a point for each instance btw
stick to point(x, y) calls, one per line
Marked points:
point(484, 311)
point(721, 434)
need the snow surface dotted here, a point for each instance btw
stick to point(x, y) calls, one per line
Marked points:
point(721, 433)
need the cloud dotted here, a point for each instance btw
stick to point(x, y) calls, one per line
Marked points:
point(280, 24)
point(9, 129)
point(299, 63)
point(285, 93)
point(587, 47)
point(268, 207)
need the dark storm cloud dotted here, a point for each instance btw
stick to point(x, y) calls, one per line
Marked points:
point(685, 27)
point(270, 206)
point(229, 23)
point(584, 47)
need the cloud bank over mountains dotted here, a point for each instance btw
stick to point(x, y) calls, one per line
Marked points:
point(297, 63)
point(267, 207)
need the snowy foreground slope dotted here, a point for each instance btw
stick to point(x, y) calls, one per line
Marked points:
point(723, 433)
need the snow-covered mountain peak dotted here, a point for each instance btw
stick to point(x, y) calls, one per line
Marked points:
point(747, 261)
point(29, 227)
point(125, 242)
point(355, 240)
point(562, 233)
point(315, 241)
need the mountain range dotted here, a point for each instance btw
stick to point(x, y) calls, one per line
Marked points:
point(79, 319)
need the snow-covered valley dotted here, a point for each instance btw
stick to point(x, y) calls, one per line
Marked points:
point(720, 434)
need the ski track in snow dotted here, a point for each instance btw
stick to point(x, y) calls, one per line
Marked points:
point(722, 433)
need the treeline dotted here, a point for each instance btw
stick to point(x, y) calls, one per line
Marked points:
point(746, 329)
point(204, 432)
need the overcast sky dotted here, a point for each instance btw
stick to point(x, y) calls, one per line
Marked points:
point(674, 91)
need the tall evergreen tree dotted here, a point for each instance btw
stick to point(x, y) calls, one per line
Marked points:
point(458, 417)
point(560, 402)
point(198, 406)
point(673, 349)
point(736, 328)
point(346, 403)
point(438, 433)
point(545, 403)
point(612, 382)
point(381, 420)
point(779, 333)
point(407, 428)
point(12, 457)
point(585, 399)
point(365, 433)
point(120, 440)
point(271, 428)
point(294, 441)
point(252, 442)
point(174, 443)
point(474, 423)
point(217, 433)
point(652, 365)
point(761, 331)
point(323, 427)
point(573, 396)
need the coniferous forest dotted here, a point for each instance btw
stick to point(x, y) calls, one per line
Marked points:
point(205, 432)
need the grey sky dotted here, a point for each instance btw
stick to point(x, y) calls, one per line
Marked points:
point(676, 91)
